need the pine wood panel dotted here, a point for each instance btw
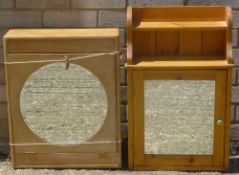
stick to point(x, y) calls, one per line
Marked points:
point(61, 33)
point(167, 42)
point(130, 96)
point(63, 160)
point(179, 14)
point(38, 153)
point(213, 42)
point(129, 36)
point(181, 25)
point(157, 65)
point(220, 108)
point(190, 42)
point(228, 48)
point(140, 38)
point(138, 104)
point(76, 41)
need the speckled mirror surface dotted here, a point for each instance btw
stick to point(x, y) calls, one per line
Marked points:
point(63, 106)
point(179, 117)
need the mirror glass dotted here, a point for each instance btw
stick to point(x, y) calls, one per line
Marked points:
point(179, 117)
point(63, 106)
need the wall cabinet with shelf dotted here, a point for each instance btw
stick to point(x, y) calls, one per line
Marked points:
point(179, 63)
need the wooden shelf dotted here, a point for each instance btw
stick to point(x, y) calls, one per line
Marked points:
point(180, 25)
point(189, 33)
point(180, 57)
point(179, 62)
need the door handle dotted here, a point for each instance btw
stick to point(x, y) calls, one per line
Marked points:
point(220, 122)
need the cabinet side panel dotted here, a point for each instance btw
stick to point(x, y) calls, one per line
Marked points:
point(130, 119)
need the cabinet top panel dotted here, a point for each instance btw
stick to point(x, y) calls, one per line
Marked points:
point(22, 41)
point(61, 33)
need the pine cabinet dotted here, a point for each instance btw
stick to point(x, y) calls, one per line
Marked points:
point(63, 98)
point(179, 66)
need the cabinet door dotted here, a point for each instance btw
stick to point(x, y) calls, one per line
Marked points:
point(179, 119)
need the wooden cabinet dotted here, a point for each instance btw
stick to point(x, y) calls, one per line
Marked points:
point(179, 63)
point(63, 98)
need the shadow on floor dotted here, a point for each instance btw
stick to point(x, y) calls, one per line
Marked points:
point(234, 165)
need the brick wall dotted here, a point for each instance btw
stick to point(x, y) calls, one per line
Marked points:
point(98, 13)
